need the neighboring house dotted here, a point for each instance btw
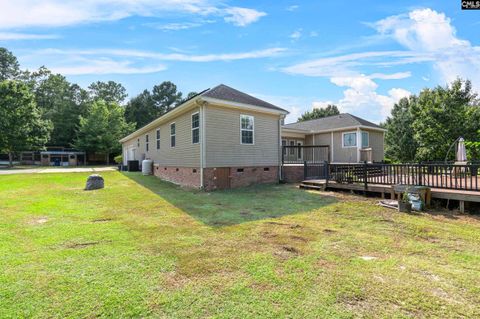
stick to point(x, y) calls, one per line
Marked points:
point(223, 138)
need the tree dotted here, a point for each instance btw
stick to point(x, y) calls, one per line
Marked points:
point(60, 101)
point(9, 66)
point(441, 115)
point(110, 92)
point(165, 96)
point(21, 125)
point(400, 144)
point(102, 128)
point(317, 113)
point(141, 109)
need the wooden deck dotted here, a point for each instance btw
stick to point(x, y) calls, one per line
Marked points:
point(461, 195)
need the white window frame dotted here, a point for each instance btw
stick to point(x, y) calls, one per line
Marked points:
point(196, 128)
point(173, 135)
point(147, 142)
point(252, 130)
point(343, 139)
point(368, 139)
point(158, 138)
point(299, 150)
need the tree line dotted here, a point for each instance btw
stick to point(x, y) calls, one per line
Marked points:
point(423, 127)
point(39, 108)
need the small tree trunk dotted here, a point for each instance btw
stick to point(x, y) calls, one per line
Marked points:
point(10, 159)
point(108, 159)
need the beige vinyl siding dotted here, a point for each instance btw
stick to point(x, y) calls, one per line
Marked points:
point(323, 139)
point(184, 154)
point(376, 143)
point(341, 154)
point(223, 147)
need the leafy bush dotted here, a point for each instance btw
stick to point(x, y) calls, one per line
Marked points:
point(118, 159)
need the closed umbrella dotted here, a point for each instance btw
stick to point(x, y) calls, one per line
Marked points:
point(461, 151)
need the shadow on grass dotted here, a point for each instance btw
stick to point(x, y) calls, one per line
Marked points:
point(235, 206)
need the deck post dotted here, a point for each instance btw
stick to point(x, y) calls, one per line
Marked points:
point(304, 170)
point(420, 179)
point(365, 181)
point(326, 174)
point(462, 206)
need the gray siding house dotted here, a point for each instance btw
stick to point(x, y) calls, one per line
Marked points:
point(224, 138)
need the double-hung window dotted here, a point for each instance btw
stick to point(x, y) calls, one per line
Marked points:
point(158, 139)
point(146, 143)
point(292, 147)
point(246, 129)
point(195, 128)
point(172, 135)
point(350, 139)
point(365, 142)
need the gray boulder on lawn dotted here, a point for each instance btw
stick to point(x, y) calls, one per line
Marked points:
point(94, 181)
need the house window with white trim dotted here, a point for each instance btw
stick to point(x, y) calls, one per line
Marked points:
point(146, 143)
point(195, 128)
point(172, 135)
point(158, 139)
point(365, 140)
point(284, 143)
point(292, 147)
point(350, 139)
point(246, 129)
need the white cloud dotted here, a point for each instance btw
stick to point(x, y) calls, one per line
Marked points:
point(429, 32)
point(55, 13)
point(297, 34)
point(292, 7)
point(242, 16)
point(175, 26)
point(361, 97)
point(350, 64)
point(104, 66)
point(106, 61)
point(8, 36)
point(321, 104)
point(255, 54)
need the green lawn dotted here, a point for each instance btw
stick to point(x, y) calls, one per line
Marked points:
point(146, 248)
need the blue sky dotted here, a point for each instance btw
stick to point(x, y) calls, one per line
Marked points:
point(361, 55)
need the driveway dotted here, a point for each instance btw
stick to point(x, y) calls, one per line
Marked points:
point(57, 170)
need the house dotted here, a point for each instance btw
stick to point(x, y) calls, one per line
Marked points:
point(350, 139)
point(224, 138)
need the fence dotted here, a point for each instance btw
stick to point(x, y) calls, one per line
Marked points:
point(447, 176)
point(305, 153)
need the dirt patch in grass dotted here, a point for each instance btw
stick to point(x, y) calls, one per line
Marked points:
point(267, 234)
point(102, 220)
point(38, 221)
point(329, 231)
point(82, 245)
point(299, 238)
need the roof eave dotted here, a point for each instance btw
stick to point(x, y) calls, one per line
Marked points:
point(238, 105)
point(156, 122)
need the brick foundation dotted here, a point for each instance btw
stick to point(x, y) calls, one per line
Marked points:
point(249, 176)
point(190, 177)
point(185, 176)
point(293, 174)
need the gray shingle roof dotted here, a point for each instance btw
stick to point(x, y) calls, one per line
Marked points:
point(331, 123)
point(223, 92)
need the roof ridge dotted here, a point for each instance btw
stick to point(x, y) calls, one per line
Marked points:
point(320, 118)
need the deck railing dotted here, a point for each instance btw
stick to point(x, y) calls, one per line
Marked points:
point(309, 153)
point(447, 176)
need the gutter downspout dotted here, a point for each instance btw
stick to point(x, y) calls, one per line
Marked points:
point(280, 148)
point(359, 143)
point(202, 142)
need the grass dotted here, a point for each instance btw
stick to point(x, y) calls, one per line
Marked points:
point(145, 248)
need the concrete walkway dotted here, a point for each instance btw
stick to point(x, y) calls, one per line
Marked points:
point(57, 170)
